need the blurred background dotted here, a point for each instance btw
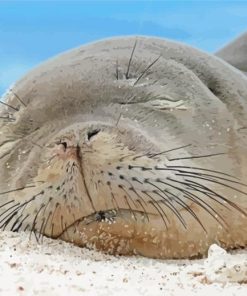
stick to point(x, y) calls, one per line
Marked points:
point(32, 31)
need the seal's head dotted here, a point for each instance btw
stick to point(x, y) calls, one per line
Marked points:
point(130, 145)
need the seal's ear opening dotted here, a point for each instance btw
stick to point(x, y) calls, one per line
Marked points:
point(92, 133)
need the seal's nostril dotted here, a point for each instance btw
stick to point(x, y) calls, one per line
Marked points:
point(92, 133)
point(64, 145)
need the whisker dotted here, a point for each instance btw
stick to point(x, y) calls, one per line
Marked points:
point(122, 187)
point(167, 202)
point(186, 207)
point(194, 174)
point(117, 74)
point(152, 155)
point(232, 204)
point(201, 169)
point(61, 223)
point(144, 210)
point(196, 199)
point(114, 200)
point(52, 224)
point(130, 208)
point(171, 207)
point(125, 156)
point(132, 188)
point(206, 191)
point(14, 212)
point(212, 181)
point(8, 202)
point(139, 196)
point(6, 222)
point(46, 206)
point(146, 69)
point(142, 155)
point(213, 177)
point(9, 106)
point(130, 60)
point(158, 207)
point(18, 98)
point(16, 208)
point(166, 151)
point(197, 156)
point(26, 228)
point(17, 189)
point(119, 117)
point(16, 221)
point(10, 208)
point(139, 167)
point(66, 229)
point(192, 184)
point(20, 224)
point(46, 222)
point(35, 235)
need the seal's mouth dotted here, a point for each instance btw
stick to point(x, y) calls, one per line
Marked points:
point(108, 217)
point(121, 232)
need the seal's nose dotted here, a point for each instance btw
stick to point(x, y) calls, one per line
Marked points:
point(92, 133)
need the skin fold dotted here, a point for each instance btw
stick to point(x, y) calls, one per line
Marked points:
point(131, 145)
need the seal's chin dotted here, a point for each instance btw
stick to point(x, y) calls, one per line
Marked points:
point(119, 233)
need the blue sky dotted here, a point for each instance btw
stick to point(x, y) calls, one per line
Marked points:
point(32, 31)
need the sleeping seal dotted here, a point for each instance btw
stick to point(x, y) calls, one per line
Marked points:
point(133, 145)
point(235, 53)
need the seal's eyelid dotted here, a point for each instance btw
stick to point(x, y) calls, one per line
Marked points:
point(92, 133)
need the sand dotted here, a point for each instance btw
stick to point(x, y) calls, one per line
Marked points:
point(54, 267)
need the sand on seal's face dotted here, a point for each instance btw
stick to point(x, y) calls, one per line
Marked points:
point(130, 145)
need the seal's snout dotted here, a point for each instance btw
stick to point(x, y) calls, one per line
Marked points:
point(105, 189)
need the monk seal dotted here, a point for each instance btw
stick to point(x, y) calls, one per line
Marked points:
point(130, 145)
point(235, 53)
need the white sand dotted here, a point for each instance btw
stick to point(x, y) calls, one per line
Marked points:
point(59, 268)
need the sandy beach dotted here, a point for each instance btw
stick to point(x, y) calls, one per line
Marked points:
point(54, 268)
